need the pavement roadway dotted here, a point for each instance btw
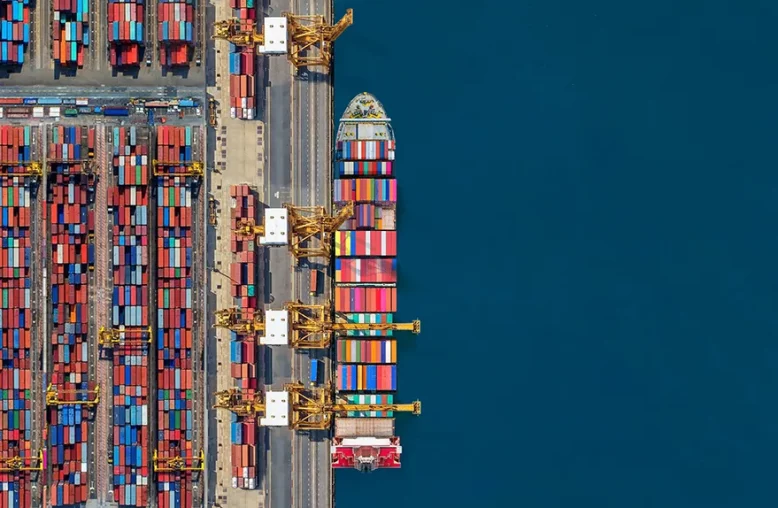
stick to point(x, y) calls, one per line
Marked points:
point(312, 110)
point(278, 277)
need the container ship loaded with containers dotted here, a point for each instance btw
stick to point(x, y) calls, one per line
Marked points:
point(365, 285)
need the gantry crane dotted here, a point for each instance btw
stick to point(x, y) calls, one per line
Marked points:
point(53, 397)
point(309, 39)
point(303, 225)
point(299, 408)
point(303, 325)
point(18, 463)
point(131, 336)
point(86, 164)
point(176, 464)
point(191, 168)
point(32, 168)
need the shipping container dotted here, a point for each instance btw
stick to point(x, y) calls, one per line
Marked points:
point(176, 31)
point(126, 29)
point(70, 32)
point(367, 351)
point(70, 225)
point(14, 31)
point(244, 72)
point(129, 201)
point(373, 271)
point(173, 303)
point(363, 190)
point(366, 244)
point(365, 150)
point(366, 427)
point(314, 287)
point(366, 378)
point(365, 299)
point(17, 297)
point(244, 355)
point(315, 371)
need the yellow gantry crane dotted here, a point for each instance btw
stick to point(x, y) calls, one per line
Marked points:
point(87, 164)
point(309, 39)
point(307, 326)
point(305, 224)
point(191, 168)
point(32, 168)
point(308, 409)
point(91, 397)
point(115, 337)
point(17, 463)
point(176, 464)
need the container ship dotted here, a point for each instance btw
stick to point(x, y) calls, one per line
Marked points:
point(365, 285)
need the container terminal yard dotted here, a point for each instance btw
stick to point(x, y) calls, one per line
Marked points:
point(197, 282)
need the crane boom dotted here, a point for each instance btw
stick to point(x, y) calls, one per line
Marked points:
point(308, 326)
point(309, 409)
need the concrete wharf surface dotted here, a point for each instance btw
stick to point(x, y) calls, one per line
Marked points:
point(284, 155)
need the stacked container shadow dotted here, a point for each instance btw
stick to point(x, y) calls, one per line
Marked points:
point(72, 227)
point(243, 348)
point(243, 64)
point(70, 31)
point(176, 31)
point(174, 312)
point(126, 21)
point(14, 30)
point(130, 315)
point(15, 316)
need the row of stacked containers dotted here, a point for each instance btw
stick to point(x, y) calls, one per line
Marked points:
point(130, 313)
point(243, 349)
point(175, 31)
point(14, 30)
point(175, 402)
point(366, 272)
point(15, 315)
point(243, 65)
point(71, 222)
point(70, 31)
point(126, 20)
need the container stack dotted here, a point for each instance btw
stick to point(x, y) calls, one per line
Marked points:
point(130, 312)
point(15, 315)
point(70, 31)
point(366, 268)
point(71, 223)
point(242, 65)
point(126, 21)
point(243, 349)
point(14, 30)
point(174, 314)
point(176, 31)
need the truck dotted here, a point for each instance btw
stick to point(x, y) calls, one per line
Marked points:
point(314, 289)
point(315, 371)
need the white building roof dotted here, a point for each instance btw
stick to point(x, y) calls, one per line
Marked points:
point(276, 227)
point(275, 36)
point(276, 328)
point(276, 410)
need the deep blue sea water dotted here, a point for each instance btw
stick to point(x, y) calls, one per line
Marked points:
point(588, 232)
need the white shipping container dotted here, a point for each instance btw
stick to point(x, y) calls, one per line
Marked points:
point(54, 111)
point(233, 112)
